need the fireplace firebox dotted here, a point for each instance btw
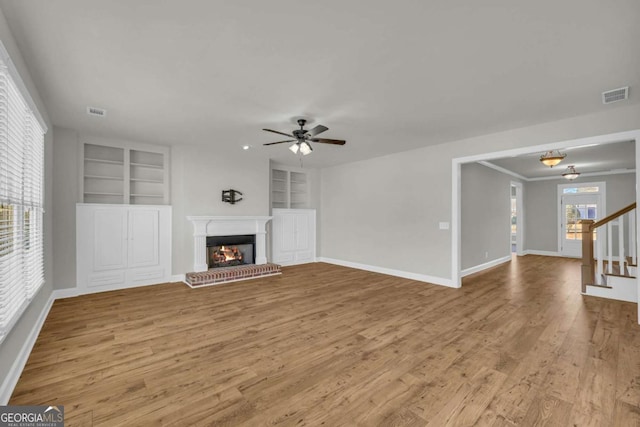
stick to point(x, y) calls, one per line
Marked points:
point(227, 251)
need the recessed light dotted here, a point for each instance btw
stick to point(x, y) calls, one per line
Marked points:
point(246, 147)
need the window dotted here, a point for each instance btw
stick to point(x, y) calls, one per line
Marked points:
point(21, 197)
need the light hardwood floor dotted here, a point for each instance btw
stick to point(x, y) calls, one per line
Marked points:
point(332, 346)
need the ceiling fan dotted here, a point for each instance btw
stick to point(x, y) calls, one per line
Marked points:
point(303, 137)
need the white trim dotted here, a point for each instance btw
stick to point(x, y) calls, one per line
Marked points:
point(178, 278)
point(544, 253)
point(486, 265)
point(15, 75)
point(391, 272)
point(66, 293)
point(584, 175)
point(550, 178)
point(503, 170)
point(10, 381)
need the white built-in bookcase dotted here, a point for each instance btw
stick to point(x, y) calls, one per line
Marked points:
point(124, 173)
point(289, 188)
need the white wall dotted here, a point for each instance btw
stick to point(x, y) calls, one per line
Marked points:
point(541, 206)
point(16, 339)
point(486, 215)
point(385, 211)
point(198, 176)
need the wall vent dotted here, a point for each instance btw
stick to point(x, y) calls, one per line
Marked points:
point(94, 111)
point(615, 95)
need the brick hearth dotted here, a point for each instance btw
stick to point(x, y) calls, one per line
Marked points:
point(216, 276)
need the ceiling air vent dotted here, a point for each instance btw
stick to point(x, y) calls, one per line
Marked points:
point(94, 111)
point(615, 95)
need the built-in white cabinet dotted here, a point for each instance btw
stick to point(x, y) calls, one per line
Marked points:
point(134, 174)
point(121, 246)
point(293, 236)
point(289, 188)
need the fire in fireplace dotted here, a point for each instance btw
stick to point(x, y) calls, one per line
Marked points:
point(227, 251)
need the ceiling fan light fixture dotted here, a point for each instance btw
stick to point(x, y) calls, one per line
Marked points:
point(295, 147)
point(305, 148)
point(571, 173)
point(552, 157)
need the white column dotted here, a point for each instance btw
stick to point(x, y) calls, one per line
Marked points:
point(200, 253)
point(261, 248)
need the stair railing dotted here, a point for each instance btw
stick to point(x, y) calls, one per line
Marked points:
point(593, 272)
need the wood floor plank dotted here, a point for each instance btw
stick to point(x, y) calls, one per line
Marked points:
point(327, 345)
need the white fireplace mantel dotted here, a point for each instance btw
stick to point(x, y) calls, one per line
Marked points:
point(204, 226)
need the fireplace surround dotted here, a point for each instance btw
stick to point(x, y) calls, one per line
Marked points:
point(211, 226)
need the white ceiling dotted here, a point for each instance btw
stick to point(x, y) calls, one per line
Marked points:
point(385, 76)
point(606, 158)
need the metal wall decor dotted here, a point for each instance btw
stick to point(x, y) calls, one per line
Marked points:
point(231, 196)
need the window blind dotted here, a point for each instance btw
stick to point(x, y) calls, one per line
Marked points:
point(21, 198)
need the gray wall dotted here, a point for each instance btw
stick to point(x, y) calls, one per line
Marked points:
point(541, 206)
point(65, 197)
point(396, 201)
point(486, 215)
point(15, 340)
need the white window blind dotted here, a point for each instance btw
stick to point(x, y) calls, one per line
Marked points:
point(21, 198)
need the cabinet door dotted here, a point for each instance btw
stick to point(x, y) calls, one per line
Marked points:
point(144, 248)
point(110, 239)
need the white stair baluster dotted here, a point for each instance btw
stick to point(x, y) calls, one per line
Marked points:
point(599, 258)
point(610, 247)
point(632, 237)
point(621, 259)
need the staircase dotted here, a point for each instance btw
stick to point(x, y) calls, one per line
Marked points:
point(609, 256)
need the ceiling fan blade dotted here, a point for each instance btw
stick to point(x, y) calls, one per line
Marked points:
point(281, 133)
point(329, 141)
point(280, 142)
point(316, 130)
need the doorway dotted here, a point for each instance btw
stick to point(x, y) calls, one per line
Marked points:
point(517, 218)
point(578, 202)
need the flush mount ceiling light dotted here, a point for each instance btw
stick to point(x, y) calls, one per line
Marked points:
point(571, 173)
point(552, 158)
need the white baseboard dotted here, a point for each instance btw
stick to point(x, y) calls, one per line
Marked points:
point(486, 265)
point(391, 272)
point(178, 278)
point(65, 293)
point(543, 253)
point(9, 383)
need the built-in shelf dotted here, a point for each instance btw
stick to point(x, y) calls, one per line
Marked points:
point(115, 178)
point(96, 193)
point(111, 162)
point(124, 174)
point(157, 181)
point(289, 188)
point(144, 165)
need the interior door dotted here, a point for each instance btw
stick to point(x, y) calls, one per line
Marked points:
point(573, 209)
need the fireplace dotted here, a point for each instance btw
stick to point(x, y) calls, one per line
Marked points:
point(228, 251)
point(216, 226)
